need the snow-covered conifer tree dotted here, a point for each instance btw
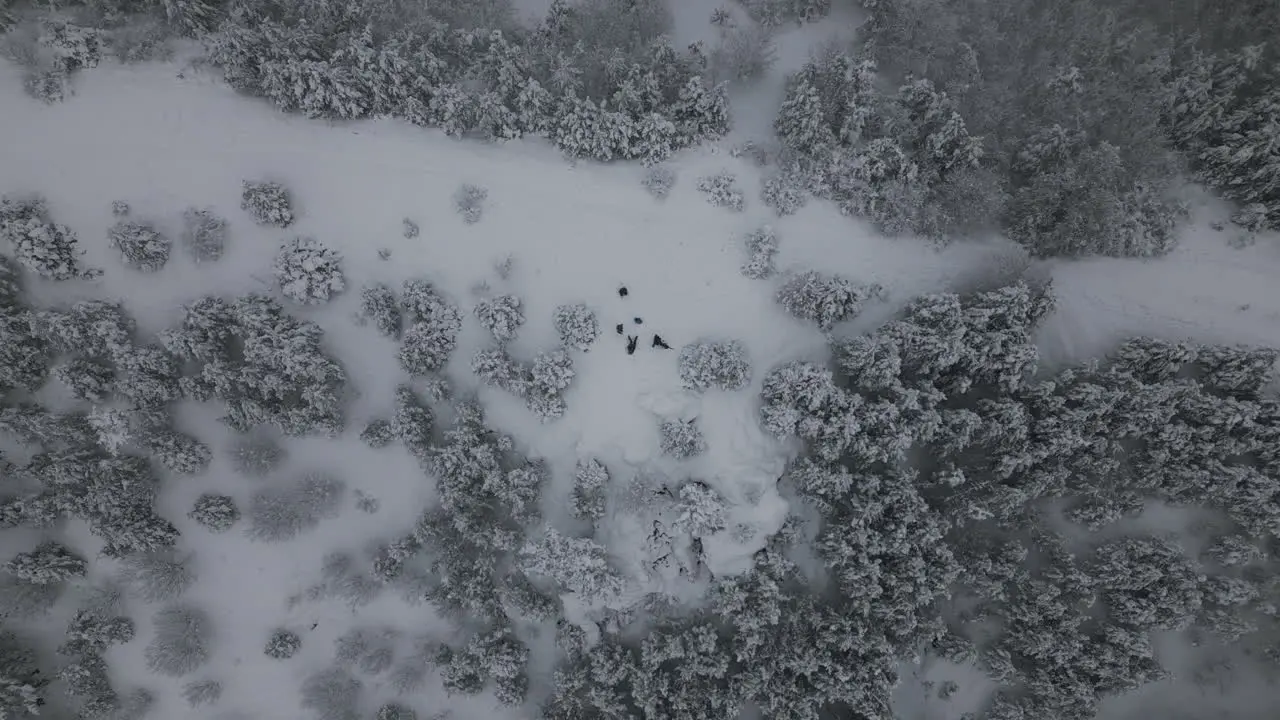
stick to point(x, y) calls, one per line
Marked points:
point(762, 247)
point(308, 271)
point(714, 365)
point(577, 326)
point(501, 316)
point(681, 439)
point(141, 246)
point(823, 299)
point(86, 379)
point(283, 644)
point(202, 692)
point(204, 234)
point(702, 510)
point(158, 575)
point(42, 246)
point(282, 513)
point(587, 500)
point(267, 202)
point(181, 640)
point(48, 563)
point(722, 191)
point(659, 180)
point(215, 512)
point(469, 202)
point(579, 565)
point(378, 306)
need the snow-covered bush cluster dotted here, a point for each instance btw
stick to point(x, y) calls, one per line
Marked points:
point(785, 191)
point(722, 191)
point(378, 305)
point(774, 13)
point(308, 271)
point(267, 366)
point(541, 384)
point(714, 365)
point(434, 324)
point(180, 644)
point(215, 512)
point(267, 202)
point(577, 326)
point(283, 644)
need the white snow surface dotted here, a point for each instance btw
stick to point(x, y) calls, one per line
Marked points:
point(163, 138)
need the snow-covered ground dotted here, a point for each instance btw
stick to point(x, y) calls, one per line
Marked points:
point(163, 137)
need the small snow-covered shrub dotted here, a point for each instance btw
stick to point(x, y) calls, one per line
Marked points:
point(86, 379)
point(823, 299)
point(681, 439)
point(721, 191)
point(202, 692)
point(73, 47)
point(659, 180)
point(308, 271)
point(267, 202)
point(119, 208)
point(577, 326)
point(378, 306)
point(331, 694)
point(204, 235)
point(49, 563)
point(217, 513)
point(156, 576)
point(278, 514)
point(256, 456)
point(141, 246)
point(91, 633)
point(1252, 217)
point(378, 433)
point(410, 229)
point(762, 247)
point(469, 202)
point(181, 641)
point(40, 245)
point(501, 316)
point(283, 644)
point(785, 192)
point(774, 13)
point(720, 365)
point(395, 711)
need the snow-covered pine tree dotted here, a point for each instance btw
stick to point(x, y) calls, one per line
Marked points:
point(378, 306)
point(267, 202)
point(681, 439)
point(308, 272)
point(823, 299)
point(707, 365)
point(181, 640)
point(204, 234)
point(215, 512)
point(722, 191)
point(501, 316)
point(587, 499)
point(48, 563)
point(577, 326)
point(42, 246)
point(283, 644)
point(140, 245)
point(762, 247)
point(579, 565)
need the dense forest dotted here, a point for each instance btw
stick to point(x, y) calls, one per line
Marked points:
point(950, 495)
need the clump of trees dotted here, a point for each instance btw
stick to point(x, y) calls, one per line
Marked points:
point(501, 81)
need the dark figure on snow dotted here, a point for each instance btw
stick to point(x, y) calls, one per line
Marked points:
point(639, 321)
point(619, 328)
point(660, 343)
point(631, 343)
point(622, 291)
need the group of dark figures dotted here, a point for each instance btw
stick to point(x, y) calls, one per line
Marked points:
point(633, 340)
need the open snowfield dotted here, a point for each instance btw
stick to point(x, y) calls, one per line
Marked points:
point(163, 137)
